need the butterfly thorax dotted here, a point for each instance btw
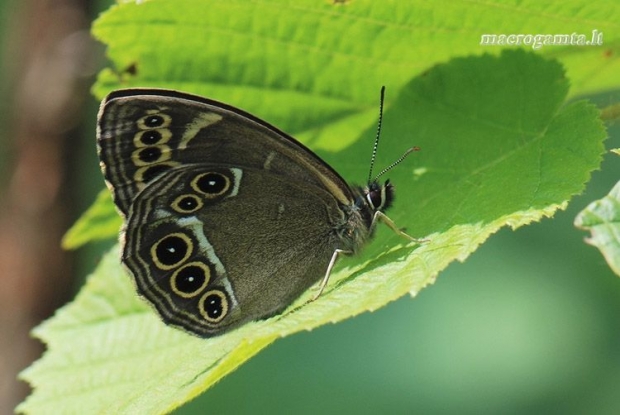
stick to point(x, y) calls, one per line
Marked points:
point(359, 216)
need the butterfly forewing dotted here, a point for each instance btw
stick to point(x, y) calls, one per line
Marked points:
point(142, 133)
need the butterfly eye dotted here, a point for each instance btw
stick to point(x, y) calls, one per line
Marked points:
point(186, 204)
point(147, 138)
point(211, 184)
point(150, 137)
point(154, 121)
point(214, 306)
point(189, 280)
point(149, 154)
point(171, 250)
point(146, 156)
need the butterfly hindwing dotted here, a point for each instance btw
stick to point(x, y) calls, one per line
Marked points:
point(211, 249)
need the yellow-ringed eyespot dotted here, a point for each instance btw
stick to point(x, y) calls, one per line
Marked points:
point(172, 250)
point(151, 137)
point(145, 156)
point(189, 280)
point(213, 306)
point(147, 173)
point(188, 203)
point(155, 120)
point(211, 184)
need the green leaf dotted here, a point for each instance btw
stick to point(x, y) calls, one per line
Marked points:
point(483, 168)
point(107, 342)
point(602, 219)
point(499, 147)
point(327, 61)
point(100, 221)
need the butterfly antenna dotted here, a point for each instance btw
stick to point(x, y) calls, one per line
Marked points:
point(397, 162)
point(374, 148)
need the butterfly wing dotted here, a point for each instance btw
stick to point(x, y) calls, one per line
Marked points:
point(228, 219)
point(143, 132)
point(214, 246)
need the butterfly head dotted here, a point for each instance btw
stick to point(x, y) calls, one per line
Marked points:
point(374, 197)
point(379, 197)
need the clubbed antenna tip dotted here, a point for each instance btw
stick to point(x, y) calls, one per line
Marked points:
point(400, 159)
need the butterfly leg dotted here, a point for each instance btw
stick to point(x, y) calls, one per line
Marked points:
point(332, 262)
point(380, 216)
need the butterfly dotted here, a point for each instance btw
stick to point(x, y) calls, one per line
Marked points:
point(227, 218)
